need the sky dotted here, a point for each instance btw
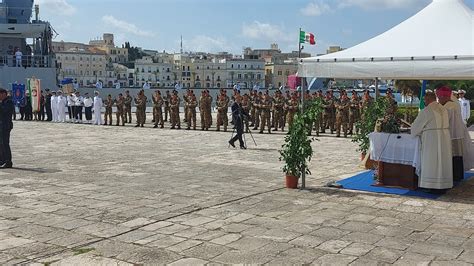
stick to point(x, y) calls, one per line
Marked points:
point(227, 25)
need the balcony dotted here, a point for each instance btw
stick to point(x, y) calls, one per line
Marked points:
point(36, 61)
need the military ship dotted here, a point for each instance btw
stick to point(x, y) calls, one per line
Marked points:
point(25, 45)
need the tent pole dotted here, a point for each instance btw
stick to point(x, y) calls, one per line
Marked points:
point(377, 93)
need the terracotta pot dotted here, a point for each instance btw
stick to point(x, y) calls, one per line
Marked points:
point(291, 181)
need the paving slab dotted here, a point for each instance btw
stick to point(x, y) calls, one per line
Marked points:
point(124, 195)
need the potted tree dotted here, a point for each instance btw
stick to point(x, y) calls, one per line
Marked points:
point(297, 151)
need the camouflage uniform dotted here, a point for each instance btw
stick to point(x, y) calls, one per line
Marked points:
point(328, 114)
point(203, 108)
point(342, 116)
point(120, 111)
point(174, 109)
point(140, 102)
point(354, 113)
point(222, 108)
point(158, 110)
point(292, 107)
point(278, 104)
point(258, 111)
point(166, 100)
point(246, 108)
point(319, 125)
point(109, 103)
point(128, 108)
point(265, 107)
point(209, 109)
point(191, 104)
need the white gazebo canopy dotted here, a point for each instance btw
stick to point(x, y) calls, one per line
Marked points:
point(436, 43)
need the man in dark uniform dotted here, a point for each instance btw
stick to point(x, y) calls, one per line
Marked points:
point(238, 115)
point(6, 125)
point(49, 112)
point(41, 113)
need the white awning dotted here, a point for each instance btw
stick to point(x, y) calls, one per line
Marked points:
point(436, 43)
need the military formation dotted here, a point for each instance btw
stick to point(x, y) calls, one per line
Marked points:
point(267, 113)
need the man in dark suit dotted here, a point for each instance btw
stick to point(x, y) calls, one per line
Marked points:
point(238, 115)
point(6, 125)
point(49, 112)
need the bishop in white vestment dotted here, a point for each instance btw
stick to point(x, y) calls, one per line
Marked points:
point(432, 125)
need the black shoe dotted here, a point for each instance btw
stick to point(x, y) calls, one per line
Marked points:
point(243, 147)
point(6, 165)
point(142, 126)
point(137, 126)
point(231, 144)
point(156, 126)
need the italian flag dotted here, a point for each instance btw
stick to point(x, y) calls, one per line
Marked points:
point(307, 37)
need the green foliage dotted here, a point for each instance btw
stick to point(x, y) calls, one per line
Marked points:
point(467, 85)
point(375, 111)
point(297, 151)
point(470, 121)
point(133, 52)
point(409, 87)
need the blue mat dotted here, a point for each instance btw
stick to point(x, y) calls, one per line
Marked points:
point(364, 182)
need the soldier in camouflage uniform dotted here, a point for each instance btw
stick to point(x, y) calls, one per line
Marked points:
point(252, 98)
point(258, 111)
point(366, 101)
point(278, 104)
point(140, 103)
point(209, 108)
point(328, 112)
point(246, 109)
point(166, 101)
point(128, 107)
point(286, 99)
point(185, 100)
point(109, 103)
point(174, 109)
point(342, 115)
point(119, 103)
point(292, 107)
point(191, 103)
point(265, 107)
point(319, 123)
point(158, 109)
point(222, 108)
point(203, 109)
point(354, 112)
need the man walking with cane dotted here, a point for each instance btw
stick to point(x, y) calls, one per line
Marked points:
point(238, 115)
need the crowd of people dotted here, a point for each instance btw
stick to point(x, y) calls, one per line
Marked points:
point(267, 112)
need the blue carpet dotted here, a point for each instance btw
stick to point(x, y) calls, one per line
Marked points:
point(364, 182)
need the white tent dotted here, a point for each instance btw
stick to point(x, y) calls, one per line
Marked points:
point(436, 43)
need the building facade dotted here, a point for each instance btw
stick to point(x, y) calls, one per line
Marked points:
point(247, 73)
point(276, 74)
point(84, 66)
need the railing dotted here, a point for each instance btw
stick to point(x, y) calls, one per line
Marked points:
point(35, 61)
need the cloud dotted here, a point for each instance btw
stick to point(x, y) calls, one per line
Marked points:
point(316, 8)
point(264, 31)
point(203, 43)
point(126, 26)
point(381, 4)
point(58, 7)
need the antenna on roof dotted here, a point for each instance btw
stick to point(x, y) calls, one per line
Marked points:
point(181, 44)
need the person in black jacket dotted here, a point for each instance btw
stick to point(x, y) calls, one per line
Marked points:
point(238, 116)
point(49, 112)
point(6, 125)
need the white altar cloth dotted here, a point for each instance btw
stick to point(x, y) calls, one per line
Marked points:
point(396, 149)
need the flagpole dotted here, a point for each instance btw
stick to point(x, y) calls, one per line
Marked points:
point(303, 170)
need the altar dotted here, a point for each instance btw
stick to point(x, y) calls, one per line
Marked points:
point(398, 157)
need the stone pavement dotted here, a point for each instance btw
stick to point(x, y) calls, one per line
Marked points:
point(86, 195)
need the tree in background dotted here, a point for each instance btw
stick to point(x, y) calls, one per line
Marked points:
point(409, 87)
point(467, 85)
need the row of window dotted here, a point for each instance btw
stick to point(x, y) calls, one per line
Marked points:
point(73, 58)
point(245, 66)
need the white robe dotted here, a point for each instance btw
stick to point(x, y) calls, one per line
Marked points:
point(461, 140)
point(98, 103)
point(432, 124)
point(62, 109)
point(54, 108)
